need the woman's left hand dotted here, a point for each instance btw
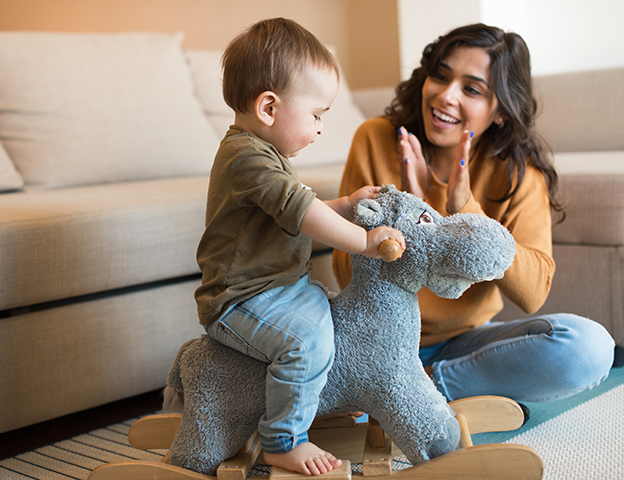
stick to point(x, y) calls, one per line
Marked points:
point(413, 164)
point(459, 181)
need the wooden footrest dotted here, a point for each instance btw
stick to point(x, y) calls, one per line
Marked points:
point(341, 473)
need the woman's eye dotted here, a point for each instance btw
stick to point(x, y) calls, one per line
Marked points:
point(317, 118)
point(473, 91)
point(437, 76)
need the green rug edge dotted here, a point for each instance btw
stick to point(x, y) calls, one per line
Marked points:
point(543, 411)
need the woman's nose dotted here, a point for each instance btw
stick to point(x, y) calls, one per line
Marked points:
point(450, 93)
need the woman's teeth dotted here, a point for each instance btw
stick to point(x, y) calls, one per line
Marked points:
point(444, 117)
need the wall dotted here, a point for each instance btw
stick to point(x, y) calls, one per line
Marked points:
point(378, 42)
point(562, 35)
point(422, 21)
point(368, 61)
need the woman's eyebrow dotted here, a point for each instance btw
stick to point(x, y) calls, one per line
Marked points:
point(471, 77)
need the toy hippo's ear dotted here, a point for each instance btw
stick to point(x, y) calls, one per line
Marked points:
point(368, 213)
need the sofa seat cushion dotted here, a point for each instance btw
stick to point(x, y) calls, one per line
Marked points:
point(591, 187)
point(81, 109)
point(63, 243)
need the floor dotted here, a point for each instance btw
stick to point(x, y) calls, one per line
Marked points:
point(34, 436)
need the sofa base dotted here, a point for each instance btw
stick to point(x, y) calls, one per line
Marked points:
point(578, 293)
point(73, 357)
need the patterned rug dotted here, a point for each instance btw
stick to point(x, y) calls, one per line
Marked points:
point(578, 438)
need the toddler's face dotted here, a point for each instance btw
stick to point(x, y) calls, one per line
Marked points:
point(298, 116)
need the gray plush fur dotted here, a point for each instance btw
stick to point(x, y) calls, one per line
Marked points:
point(377, 333)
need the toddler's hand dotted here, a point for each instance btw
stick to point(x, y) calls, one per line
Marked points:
point(361, 194)
point(375, 237)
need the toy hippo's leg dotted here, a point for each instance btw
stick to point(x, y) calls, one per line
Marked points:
point(381, 373)
point(224, 399)
point(417, 418)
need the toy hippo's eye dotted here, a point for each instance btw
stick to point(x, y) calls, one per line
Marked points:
point(425, 218)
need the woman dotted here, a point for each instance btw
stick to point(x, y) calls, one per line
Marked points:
point(472, 148)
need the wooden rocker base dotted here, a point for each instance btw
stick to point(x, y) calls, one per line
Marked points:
point(475, 415)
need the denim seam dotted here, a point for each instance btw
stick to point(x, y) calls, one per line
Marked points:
point(436, 368)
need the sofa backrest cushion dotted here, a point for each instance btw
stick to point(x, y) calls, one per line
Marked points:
point(79, 109)
point(582, 111)
point(340, 122)
point(10, 179)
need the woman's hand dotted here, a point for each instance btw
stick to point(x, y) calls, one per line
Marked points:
point(459, 181)
point(413, 164)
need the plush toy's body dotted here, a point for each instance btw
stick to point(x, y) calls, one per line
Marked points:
point(377, 333)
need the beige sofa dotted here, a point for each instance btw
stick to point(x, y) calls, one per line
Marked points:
point(106, 143)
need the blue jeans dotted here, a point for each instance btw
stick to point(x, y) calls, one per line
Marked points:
point(291, 329)
point(540, 359)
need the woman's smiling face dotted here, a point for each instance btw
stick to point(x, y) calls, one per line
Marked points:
point(457, 97)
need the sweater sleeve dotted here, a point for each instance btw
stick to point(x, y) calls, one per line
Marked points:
point(527, 282)
point(370, 162)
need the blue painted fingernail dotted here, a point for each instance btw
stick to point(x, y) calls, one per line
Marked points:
point(472, 134)
point(463, 162)
point(406, 161)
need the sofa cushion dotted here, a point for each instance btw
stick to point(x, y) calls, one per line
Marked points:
point(59, 244)
point(582, 111)
point(76, 241)
point(591, 187)
point(78, 109)
point(10, 179)
point(340, 122)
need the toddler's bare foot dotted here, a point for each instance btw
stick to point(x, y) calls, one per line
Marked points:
point(331, 416)
point(305, 458)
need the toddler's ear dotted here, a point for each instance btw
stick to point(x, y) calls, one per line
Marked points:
point(265, 107)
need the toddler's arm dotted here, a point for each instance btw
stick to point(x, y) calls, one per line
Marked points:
point(324, 224)
point(345, 205)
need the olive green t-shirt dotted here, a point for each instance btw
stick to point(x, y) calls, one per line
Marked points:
point(252, 243)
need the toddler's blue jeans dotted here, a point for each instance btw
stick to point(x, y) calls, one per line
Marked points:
point(536, 360)
point(291, 329)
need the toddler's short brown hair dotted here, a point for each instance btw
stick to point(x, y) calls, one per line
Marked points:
point(265, 57)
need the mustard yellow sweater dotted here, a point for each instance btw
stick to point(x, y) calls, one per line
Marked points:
point(374, 160)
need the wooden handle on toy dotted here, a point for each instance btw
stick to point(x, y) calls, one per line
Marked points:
point(390, 250)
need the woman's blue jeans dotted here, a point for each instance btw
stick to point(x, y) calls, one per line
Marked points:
point(536, 360)
point(291, 329)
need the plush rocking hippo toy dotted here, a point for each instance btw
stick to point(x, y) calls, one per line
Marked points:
point(377, 333)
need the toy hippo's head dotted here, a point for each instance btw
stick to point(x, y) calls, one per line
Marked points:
point(446, 254)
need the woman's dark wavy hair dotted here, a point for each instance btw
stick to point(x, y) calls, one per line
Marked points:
point(510, 79)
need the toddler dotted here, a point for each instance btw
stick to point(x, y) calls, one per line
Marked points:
point(256, 294)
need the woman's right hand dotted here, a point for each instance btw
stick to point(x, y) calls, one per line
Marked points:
point(413, 164)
